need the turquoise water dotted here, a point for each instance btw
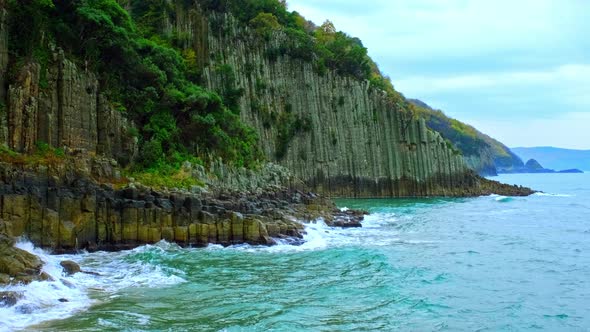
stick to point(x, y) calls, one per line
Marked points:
point(483, 264)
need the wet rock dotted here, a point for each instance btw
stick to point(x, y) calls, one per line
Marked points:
point(70, 267)
point(9, 299)
point(27, 308)
point(44, 276)
point(67, 283)
point(21, 265)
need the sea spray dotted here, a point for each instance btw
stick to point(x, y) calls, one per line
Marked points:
point(64, 295)
point(39, 301)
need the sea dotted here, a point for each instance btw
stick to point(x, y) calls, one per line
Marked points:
point(491, 263)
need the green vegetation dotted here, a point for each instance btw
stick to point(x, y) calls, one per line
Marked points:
point(142, 73)
point(44, 155)
point(324, 45)
point(149, 75)
point(464, 137)
point(158, 179)
point(289, 125)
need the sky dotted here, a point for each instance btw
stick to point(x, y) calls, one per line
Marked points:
point(517, 70)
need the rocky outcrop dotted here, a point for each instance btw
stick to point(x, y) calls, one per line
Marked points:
point(61, 105)
point(17, 265)
point(64, 209)
point(70, 267)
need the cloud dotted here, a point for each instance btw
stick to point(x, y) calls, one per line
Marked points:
point(567, 77)
point(568, 130)
point(480, 61)
point(426, 28)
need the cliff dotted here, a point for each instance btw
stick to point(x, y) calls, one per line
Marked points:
point(55, 102)
point(482, 153)
point(3, 59)
point(340, 135)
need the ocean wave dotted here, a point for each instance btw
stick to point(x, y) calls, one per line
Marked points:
point(66, 296)
point(552, 195)
point(500, 198)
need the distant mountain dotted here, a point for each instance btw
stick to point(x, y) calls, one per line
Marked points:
point(556, 158)
point(481, 152)
point(533, 166)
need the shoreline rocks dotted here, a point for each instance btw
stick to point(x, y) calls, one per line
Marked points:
point(66, 211)
point(17, 265)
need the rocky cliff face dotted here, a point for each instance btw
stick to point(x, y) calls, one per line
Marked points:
point(353, 140)
point(3, 62)
point(57, 103)
point(337, 134)
point(61, 105)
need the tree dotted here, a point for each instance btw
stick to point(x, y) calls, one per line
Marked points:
point(265, 23)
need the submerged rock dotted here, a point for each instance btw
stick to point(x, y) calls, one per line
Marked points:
point(70, 267)
point(9, 299)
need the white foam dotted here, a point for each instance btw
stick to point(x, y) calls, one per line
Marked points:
point(552, 195)
point(319, 236)
point(316, 238)
point(40, 301)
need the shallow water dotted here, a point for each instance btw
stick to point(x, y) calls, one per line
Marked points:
point(490, 263)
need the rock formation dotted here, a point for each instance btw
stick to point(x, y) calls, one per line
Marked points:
point(64, 209)
point(339, 135)
point(61, 105)
point(533, 166)
point(356, 143)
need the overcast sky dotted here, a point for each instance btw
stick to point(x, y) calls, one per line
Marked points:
point(518, 70)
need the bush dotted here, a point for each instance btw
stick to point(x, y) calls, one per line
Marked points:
point(265, 24)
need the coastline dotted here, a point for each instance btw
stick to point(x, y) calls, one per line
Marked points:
point(76, 205)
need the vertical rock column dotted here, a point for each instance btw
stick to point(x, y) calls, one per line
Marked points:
point(3, 68)
point(23, 103)
point(78, 106)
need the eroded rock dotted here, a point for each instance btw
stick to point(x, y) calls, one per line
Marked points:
point(70, 267)
point(19, 264)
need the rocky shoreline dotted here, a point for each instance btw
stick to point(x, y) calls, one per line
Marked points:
point(81, 203)
point(66, 210)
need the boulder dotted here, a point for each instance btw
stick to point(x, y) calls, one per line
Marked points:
point(21, 265)
point(70, 267)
